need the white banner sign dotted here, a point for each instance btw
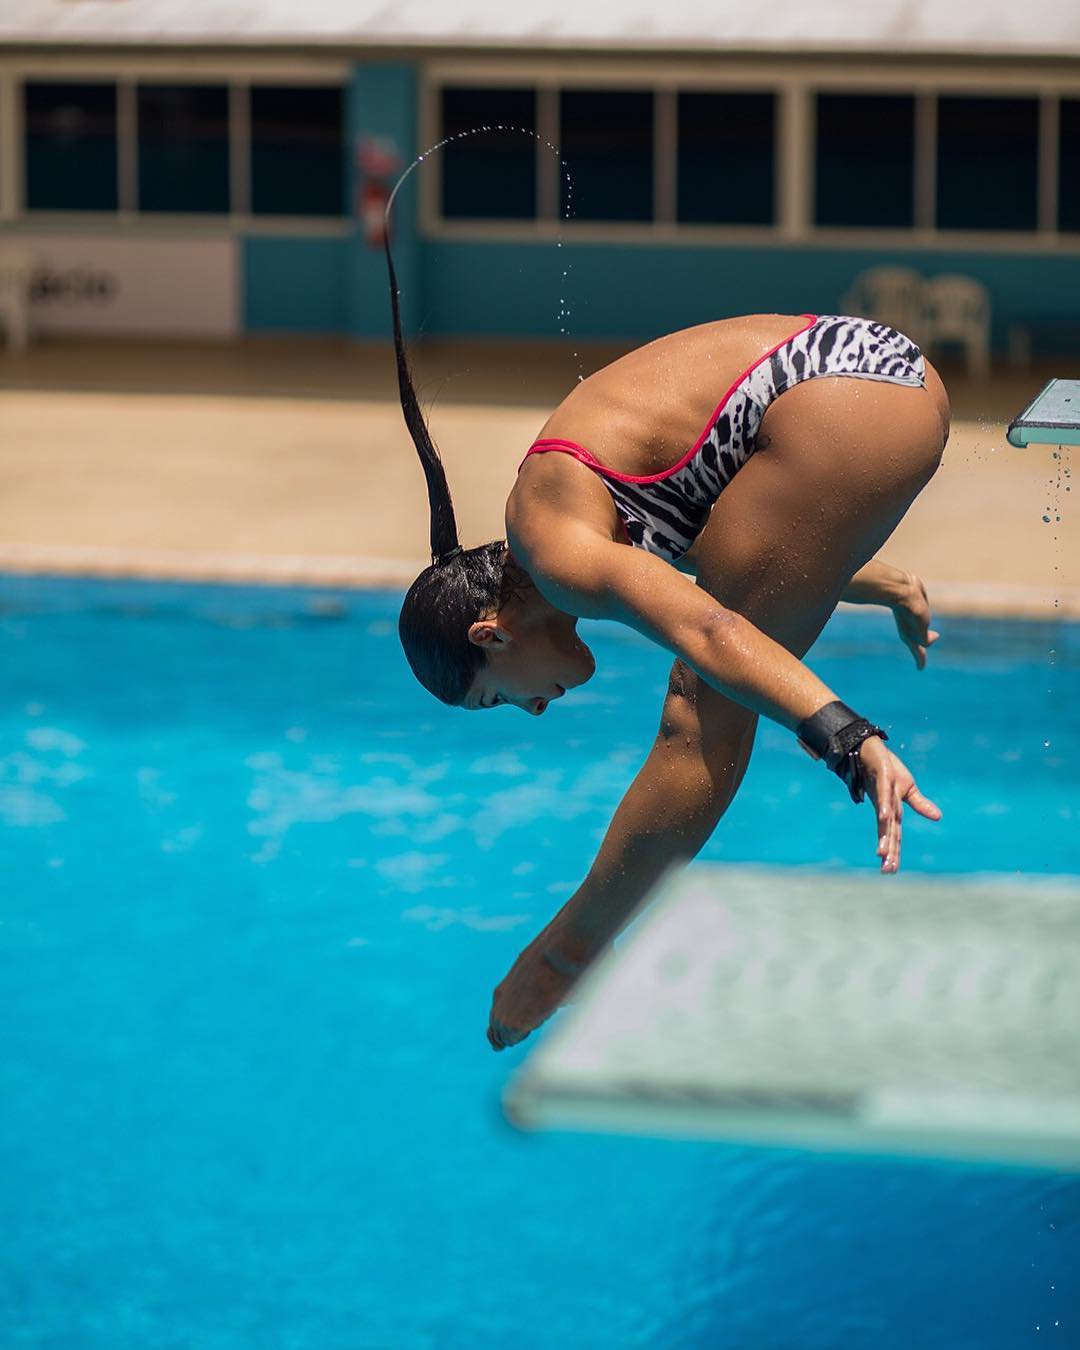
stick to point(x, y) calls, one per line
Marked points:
point(167, 287)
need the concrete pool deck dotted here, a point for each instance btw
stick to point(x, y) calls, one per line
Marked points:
point(286, 460)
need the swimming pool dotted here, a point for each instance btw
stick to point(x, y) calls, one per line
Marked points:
point(258, 890)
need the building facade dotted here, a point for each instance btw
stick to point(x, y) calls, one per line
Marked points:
point(593, 194)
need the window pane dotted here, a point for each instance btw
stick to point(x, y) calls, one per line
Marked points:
point(987, 163)
point(1069, 166)
point(183, 147)
point(865, 160)
point(607, 142)
point(492, 175)
point(297, 152)
point(70, 147)
point(726, 158)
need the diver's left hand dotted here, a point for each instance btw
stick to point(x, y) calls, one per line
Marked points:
point(538, 983)
point(911, 610)
point(889, 785)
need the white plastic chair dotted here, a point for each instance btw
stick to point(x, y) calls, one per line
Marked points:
point(17, 265)
point(892, 295)
point(958, 310)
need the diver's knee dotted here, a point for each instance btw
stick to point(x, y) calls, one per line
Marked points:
point(680, 717)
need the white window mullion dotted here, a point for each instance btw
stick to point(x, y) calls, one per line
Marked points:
point(549, 171)
point(1049, 151)
point(795, 162)
point(429, 184)
point(926, 122)
point(11, 148)
point(239, 148)
point(127, 148)
point(665, 155)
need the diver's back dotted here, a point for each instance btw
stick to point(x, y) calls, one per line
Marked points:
point(642, 412)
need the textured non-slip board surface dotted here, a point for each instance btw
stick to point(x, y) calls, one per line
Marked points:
point(836, 1011)
point(1051, 418)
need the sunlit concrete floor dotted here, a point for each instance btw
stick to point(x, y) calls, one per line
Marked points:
point(287, 459)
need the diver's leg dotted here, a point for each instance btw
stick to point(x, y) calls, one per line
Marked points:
point(799, 519)
point(840, 462)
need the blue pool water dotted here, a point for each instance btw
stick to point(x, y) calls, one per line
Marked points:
point(257, 889)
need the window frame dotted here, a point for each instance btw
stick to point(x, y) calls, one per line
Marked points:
point(796, 89)
point(127, 72)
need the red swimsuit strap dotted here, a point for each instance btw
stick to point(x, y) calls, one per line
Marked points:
point(579, 452)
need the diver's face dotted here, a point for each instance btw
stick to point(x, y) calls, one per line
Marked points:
point(532, 659)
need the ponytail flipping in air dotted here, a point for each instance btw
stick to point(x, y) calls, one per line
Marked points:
point(460, 586)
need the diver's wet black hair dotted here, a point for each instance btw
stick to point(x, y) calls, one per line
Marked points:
point(439, 607)
point(461, 585)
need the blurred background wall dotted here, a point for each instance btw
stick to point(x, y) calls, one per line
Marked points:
point(225, 175)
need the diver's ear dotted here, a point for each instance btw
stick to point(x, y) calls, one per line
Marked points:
point(489, 633)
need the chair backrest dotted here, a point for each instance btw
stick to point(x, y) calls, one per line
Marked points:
point(957, 301)
point(892, 295)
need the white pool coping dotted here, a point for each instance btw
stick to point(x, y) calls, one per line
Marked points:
point(363, 571)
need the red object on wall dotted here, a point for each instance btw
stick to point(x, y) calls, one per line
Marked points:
point(377, 162)
point(371, 208)
point(377, 157)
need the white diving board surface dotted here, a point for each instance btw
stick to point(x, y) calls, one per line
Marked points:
point(930, 1016)
point(1051, 418)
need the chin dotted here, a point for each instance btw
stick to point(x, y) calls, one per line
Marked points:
point(588, 665)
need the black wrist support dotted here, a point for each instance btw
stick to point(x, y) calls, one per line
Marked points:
point(834, 734)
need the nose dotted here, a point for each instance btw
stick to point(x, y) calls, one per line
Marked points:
point(538, 705)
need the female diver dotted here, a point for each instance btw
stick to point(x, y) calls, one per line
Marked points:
point(770, 455)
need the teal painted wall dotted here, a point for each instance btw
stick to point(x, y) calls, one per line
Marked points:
point(381, 102)
point(487, 288)
point(339, 285)
point(294, 285)
point(639, 291)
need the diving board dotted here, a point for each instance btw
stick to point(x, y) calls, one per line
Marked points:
point(838, 1011)
point(1051, 418)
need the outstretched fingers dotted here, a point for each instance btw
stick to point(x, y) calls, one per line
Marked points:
point(500, 1036)
point(918, 802)
point(889, 812)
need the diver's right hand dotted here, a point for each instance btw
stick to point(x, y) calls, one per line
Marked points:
point(889, 785)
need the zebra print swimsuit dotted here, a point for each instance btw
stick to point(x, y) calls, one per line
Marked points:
point(665, 512)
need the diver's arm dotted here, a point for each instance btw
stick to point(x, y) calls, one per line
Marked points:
point(597, 579)
point(877, 584)
point(902, 592)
